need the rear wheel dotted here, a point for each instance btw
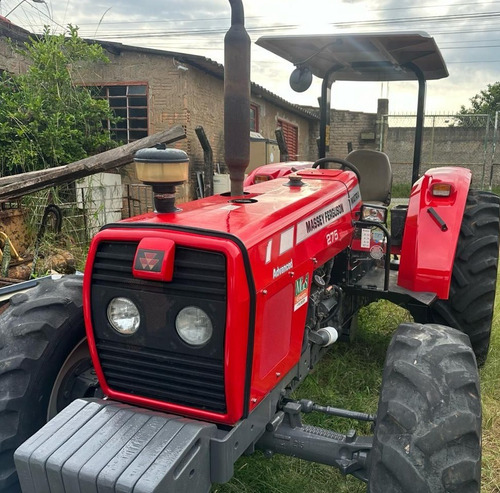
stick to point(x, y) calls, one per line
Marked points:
point(44, 364)
point(428, 429)
point(470, 305)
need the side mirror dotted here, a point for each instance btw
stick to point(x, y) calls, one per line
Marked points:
point(301, 79)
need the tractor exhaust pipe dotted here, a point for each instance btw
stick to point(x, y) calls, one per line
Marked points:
point(237, 98)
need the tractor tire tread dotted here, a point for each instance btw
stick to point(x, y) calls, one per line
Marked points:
point(470, 305)
point(31, 338)
point(427, 438)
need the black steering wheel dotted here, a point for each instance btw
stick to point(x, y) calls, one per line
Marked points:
point(343, 165)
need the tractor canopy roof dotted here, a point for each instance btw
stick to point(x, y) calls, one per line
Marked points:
point(362, 57)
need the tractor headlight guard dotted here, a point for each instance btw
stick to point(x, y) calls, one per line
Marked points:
point(194, 326)
point(123, 315)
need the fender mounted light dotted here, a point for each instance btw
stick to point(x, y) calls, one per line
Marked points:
point(441, 190)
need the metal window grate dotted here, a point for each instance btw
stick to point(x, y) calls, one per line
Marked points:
point(129, 103)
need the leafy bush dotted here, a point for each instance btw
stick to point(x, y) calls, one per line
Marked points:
point(46, 118)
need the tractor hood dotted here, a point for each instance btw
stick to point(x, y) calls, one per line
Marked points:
point(362, 57)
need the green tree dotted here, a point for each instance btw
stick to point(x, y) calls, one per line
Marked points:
point(46, 117)
point(486, 102)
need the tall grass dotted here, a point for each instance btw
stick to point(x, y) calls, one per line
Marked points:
point(490, 392)
point(350, 377)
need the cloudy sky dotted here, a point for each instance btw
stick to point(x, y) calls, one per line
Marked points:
point(467, 31)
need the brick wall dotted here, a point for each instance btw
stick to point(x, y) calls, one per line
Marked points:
point(270, 113)
point(352, 126)
point(442, 146)
point(362, 130)
point(194, 97)
point(9, 60)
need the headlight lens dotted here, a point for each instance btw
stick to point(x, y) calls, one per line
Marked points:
point(374, 213)
point(193, 326)
point(123, 315)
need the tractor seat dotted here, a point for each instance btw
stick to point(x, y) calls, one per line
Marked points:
point(376, 175)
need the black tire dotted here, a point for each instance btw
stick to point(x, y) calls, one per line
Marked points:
point(428, 429)
point(43, 352)
point(471, 302)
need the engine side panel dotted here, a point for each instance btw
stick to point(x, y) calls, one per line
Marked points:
point(428, 247)
point(285, 279)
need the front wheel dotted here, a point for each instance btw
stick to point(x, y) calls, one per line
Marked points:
point(428, 428)
point(44, 364)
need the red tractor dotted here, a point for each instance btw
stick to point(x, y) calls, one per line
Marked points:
point(201, 322)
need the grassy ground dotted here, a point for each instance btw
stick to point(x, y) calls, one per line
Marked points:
point(350, 377)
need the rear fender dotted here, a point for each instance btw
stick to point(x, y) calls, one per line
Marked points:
point(431, 231)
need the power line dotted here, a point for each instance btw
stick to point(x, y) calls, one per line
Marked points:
point(227, 18)
point(207, 34)
point(276, 27)
point(466, 62)
point(411, 20)
point(440, 5)
point(123, 34)
point(468, 47)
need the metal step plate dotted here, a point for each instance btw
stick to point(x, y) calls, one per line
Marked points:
point(375, 277)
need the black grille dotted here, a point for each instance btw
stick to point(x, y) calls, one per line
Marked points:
point(154, 362)
point(193, 381)
point(198, 273)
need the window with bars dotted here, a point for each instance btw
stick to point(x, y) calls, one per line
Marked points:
point(130, 104)
point(291, 136)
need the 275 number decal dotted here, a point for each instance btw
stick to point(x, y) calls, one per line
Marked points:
point(332, 237)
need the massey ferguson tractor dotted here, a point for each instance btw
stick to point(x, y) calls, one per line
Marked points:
point(180, 347)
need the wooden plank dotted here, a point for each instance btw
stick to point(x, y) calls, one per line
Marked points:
point(6, 180)
point(12, 187)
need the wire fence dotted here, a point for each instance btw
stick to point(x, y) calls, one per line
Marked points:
point(81, 209)
point(448, 140)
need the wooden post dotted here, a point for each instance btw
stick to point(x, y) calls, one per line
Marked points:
point(208, 157)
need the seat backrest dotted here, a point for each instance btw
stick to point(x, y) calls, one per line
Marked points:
point(376, 175)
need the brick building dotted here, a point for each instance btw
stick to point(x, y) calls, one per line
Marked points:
point(188, 90)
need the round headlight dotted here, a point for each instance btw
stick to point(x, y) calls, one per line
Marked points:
point(193, 326)
point(123, 315)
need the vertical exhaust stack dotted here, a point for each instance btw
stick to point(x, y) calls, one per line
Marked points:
point(237, 98)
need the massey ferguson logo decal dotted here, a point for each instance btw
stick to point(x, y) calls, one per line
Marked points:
point(321, 219)
point(149, 260)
